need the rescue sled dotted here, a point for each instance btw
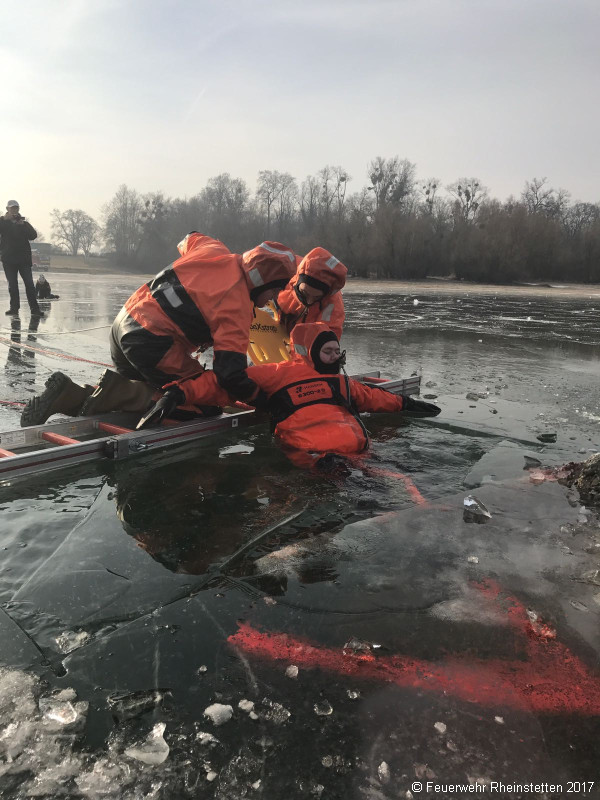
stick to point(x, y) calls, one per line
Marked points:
point(54, 445)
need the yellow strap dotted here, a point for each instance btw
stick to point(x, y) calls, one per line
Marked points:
point(269, 341)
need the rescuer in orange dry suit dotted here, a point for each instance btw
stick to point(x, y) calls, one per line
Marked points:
point(313, 407)
point(314, 293)
point(206, 297)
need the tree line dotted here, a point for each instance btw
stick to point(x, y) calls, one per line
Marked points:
point(397, 226)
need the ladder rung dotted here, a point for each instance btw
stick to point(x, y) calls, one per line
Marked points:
point(6, 453)
point(57, 438)
point(107, 427)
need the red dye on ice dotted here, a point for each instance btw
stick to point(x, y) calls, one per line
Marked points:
point(549, 679)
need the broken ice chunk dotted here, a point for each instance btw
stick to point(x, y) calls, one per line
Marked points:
point(531, 461)
point(274, 712)
point(547, 436)
point(323, 709)
point(60, 708)
point(132, 704)
point(383, 771)
point(246, 705)
point(206, 738)
point(154, 750)
point(218, 713)
point(292, 671)
point(358, 648)
point(475, 510)
point(71, 640)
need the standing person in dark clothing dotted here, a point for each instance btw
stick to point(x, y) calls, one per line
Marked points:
point(15, 251)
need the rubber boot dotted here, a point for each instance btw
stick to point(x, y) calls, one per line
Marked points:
point(116, 393)
point(61, 396)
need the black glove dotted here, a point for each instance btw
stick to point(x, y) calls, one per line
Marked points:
point(260, 402)
point(172, 398)
point(418, 407)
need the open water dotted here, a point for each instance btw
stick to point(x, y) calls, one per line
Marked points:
point(370, 640)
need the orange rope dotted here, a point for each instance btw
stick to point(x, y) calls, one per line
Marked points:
point(12, 343)
point(415, 494)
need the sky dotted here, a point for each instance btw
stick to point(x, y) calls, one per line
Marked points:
point(163, 95)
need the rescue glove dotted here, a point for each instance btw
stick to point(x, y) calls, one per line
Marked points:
point(172, 398)
point(418, 407)
point(260, 402)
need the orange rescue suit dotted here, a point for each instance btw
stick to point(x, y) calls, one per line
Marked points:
point(318, 417)
point(317, 267)
point(203, 298)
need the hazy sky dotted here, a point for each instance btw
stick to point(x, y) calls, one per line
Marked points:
point(165, 94)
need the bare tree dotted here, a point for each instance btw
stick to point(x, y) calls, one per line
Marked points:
point(90, 235)
point(469, 194)
point(122, 217)
point(428, 191)
point(581, 216)
point(269, 188)
point(392, 180)
point(309, 199)
point(341, 179)
point(74, 229)
point(542, 199)
point(287, 198)
point(226, 195)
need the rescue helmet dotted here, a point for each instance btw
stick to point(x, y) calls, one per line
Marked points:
point(320, 269)
point(270, 265)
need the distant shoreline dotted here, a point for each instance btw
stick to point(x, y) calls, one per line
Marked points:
point(98, 266)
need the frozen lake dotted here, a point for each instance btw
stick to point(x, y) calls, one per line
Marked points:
point(371, 639)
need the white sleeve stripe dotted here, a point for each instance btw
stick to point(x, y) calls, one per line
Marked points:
point(287, 253)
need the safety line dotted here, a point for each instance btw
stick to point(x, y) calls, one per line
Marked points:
point(55, 333)
point(12, 403)
point(11, 343)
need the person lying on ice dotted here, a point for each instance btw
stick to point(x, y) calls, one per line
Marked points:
point(205, 297)
point(314, 293)
point(313, 407)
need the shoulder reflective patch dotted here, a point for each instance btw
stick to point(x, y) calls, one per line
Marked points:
point(327, 312)
point(256, 277)
point(286, 253)
point(300, 349)
point(172, 297)
point(332, 262)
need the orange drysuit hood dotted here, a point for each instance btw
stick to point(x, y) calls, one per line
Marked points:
point(307, 339)
point(321, 270)
point(269, 265)
point(195, 239)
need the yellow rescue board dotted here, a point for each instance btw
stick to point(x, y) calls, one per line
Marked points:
point(269, 340)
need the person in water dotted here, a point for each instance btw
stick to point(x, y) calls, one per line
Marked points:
point(314, 293)
point(206, 297)
point(314, 406)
